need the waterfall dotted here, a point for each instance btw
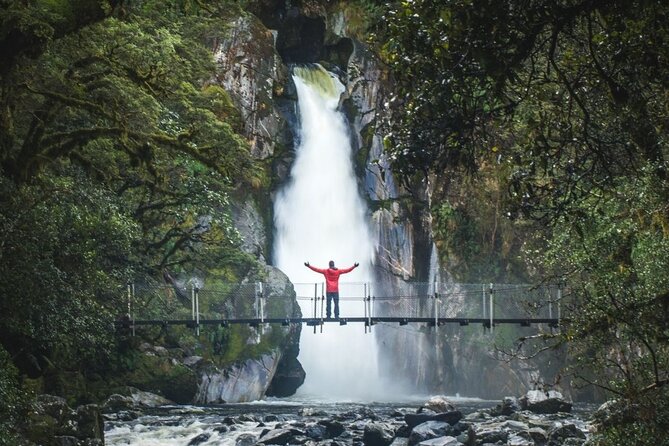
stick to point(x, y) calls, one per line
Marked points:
point(320, 216)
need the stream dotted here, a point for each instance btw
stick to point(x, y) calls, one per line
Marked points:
point(316, 423)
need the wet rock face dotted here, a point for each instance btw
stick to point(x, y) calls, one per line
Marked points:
point(240, 383)
point(303, 34)
point(249, 68)
point(301, 39)
point(289, 375)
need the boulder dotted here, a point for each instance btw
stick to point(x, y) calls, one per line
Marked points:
point(479, 434)
point(199, 439)
point(88, 420)
point(612, 413)
point(378, 434)
point(538, 435)
point(560, 434)
point(333, 428)
point(508, 407)
point(549, 402)
point(450, 417)
point(315, 431)
point(519, 440)
point(441, 441)
point(134, 399)
point(246, 440)
point(439, 404)
point(242, 382)
point(429, 430)
point(277, 436)
point(311, 412)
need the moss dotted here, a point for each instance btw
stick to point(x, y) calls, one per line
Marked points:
point(70, 384)
point(160, 376)
point(362, 157)
point(42, 428)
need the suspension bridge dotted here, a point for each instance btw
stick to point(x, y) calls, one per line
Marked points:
point(256, 304)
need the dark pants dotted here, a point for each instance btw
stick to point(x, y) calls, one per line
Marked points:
point(332, 295)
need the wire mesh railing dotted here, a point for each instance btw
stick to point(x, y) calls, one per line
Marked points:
point(409, 300)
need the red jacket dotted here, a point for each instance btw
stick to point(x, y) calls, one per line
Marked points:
point(332, 277)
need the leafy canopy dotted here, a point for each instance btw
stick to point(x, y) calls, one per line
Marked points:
point(568, 98)
point(116, 162)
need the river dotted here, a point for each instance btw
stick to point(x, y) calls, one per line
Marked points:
point(243, 424)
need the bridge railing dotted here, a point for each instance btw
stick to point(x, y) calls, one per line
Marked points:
point(246, 301)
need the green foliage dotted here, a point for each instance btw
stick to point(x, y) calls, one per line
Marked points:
point(117, 161)
point(650, 428)
point(615, 254)
point(65, 248)
point(12, 400)
point(562, 107)
point(476, 242)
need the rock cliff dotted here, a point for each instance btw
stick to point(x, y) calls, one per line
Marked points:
point(254, 60)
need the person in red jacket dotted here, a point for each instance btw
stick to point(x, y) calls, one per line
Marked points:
point(332, 284)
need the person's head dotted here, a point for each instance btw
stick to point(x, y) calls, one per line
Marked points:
point(331, 263)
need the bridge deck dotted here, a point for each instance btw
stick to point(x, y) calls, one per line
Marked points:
point(345, 320)
point(431, 304)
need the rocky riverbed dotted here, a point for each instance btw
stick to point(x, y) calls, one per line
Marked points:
point(535, 419)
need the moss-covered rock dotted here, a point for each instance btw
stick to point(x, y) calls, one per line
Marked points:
point(164, 377)
point(51, 420)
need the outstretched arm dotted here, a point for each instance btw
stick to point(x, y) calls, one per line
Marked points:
point(348, 270)
point(313, 268)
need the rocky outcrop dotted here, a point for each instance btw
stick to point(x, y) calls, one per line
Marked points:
point(246, 381)
point(289, 374)
point(133, 399)
point(249, 68)
point(51, 422)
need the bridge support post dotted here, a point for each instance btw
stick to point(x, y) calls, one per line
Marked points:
point(195, 308)
point(131, 306)
point(435, 308)
point(261, 306)
point(197, 311)
point(192, 302)
point(323, 303)
point(491, 309)
point(364, 306)
point(368, 291)
point(256, 302)
point(483, 295)
point(315, 303)
point(559, 301)
point(261, 297)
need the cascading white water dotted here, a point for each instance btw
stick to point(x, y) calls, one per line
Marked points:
point(320, 216)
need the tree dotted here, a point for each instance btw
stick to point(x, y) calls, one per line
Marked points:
point(568, 97)
point(116, 162)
